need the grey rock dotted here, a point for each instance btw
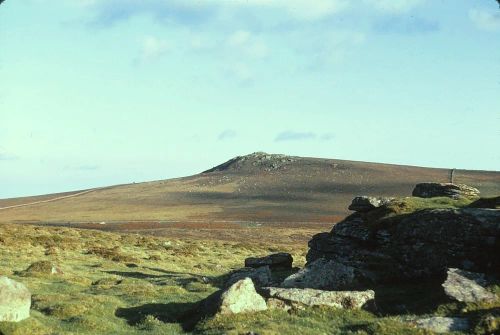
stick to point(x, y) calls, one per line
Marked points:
point(412, 246)
point(311, 297)
point(260, 276)
point(431, 190)
point(322, 274)
point(467, 286)
point(278, 260)
point(443, 324)
point(15, 300)
point(241, 297)
point(366, 203)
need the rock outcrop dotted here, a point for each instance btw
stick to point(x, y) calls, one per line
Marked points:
point(455, 191)
point(366, 203)
point(467, 286)
point(280, 260)
point(15, 300)
point(414, 244)
point(322, 274)
point(293, 297)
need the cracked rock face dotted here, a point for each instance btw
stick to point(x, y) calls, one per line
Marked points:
point(322, 274)
point(15, 300)
point(467, 286)
point(418, 245)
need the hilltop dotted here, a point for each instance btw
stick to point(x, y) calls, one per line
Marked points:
point(259, 188)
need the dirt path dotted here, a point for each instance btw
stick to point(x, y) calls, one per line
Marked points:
point(54, 199)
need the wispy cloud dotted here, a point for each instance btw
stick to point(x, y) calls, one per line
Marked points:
point(8, 157)
point(406, 25)
point(227, 135)
point(394, 6)
point(485, 20)
point(109, 12)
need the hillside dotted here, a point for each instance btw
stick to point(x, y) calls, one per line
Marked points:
point(257, 188)
point(92, 282)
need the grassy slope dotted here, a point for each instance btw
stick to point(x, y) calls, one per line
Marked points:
point(135, 284)
point(306, 190)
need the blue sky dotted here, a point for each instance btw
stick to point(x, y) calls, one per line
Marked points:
point(99, 92)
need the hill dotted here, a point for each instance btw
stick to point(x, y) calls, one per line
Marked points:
point(258, 189)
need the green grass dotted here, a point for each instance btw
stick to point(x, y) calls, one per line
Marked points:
point(134, 284)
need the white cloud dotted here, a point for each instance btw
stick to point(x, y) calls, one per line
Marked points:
point(247, 43)
point(485, 20)
point(306, 10)
point(394, 6)
point(153, 47)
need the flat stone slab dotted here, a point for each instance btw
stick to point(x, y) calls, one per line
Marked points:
point(443, 324)
point(15, 300)
point(311, 297)
point(467, 286)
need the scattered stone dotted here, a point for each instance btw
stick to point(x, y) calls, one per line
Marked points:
point(15, 300)
point(241, 297)
point(309, 297)
point(467, 286)
point(455, 191)
point(281, 260)
point(365, 203)
point(260, 276)
point(443, 324)
point(43, 268)
point(322, 274)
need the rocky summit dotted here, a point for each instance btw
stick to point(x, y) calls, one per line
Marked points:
point(415, 238)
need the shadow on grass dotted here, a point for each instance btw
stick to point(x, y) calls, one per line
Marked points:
point(411, 298)
point(179, 278)
point(181, 313)
point(135, 274)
